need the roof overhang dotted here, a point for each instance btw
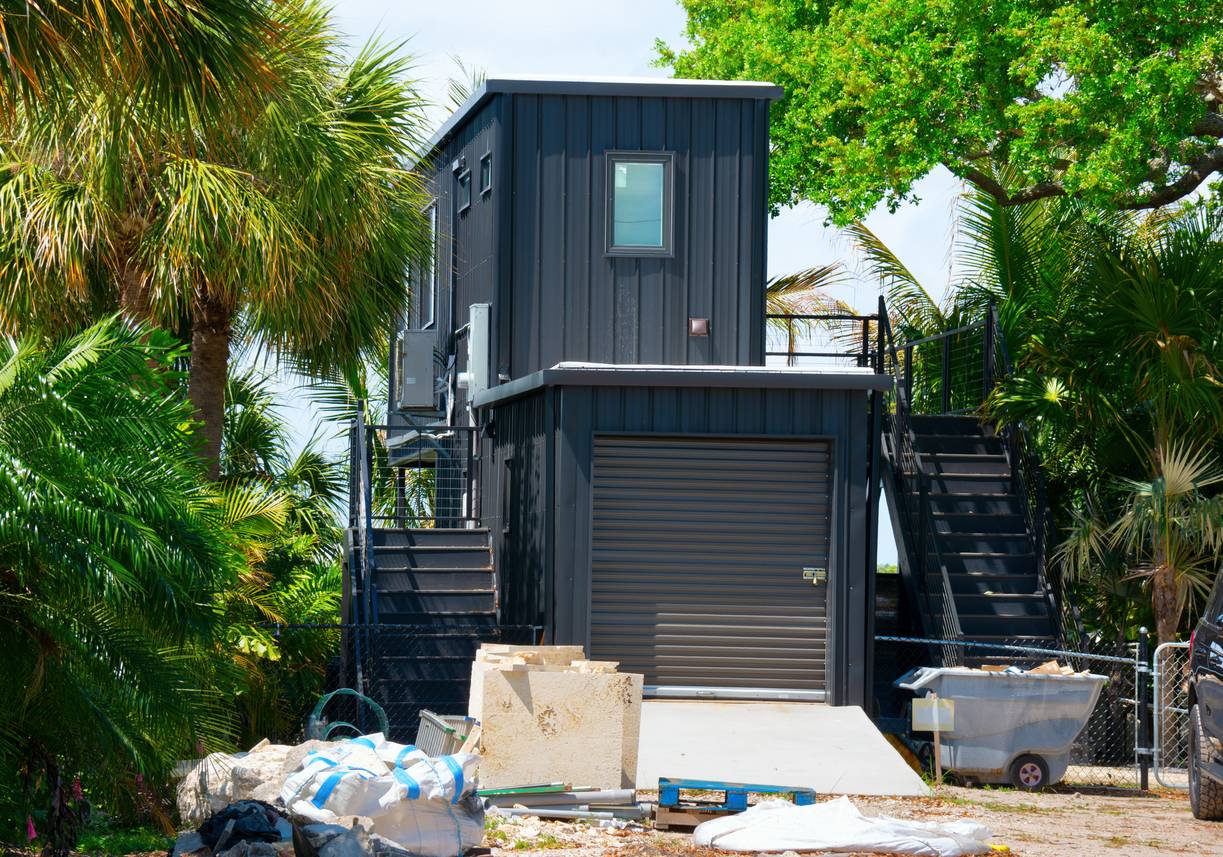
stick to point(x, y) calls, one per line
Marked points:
point(755, 377)
point(653, 87)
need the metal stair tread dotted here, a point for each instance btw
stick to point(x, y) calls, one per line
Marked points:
point(431, 548)
point(441, 569)
point(450, 591)
point(1003, 535)
point(989, 554)
point(436, 529)
point(1004, 596)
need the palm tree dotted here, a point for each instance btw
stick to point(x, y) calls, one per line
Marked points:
point(112, 557)
point(804, 293)
point(293, 570)
point(292, 225)
point(176, 54)
point(1168, 531)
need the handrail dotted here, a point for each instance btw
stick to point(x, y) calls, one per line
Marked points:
point(930, 585)
point(354, 548)
point(945, 334)
point(858, 338)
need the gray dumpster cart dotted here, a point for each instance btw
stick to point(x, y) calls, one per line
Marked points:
point(1012, 728)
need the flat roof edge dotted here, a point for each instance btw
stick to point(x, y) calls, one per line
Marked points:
point(665, 87)
point(731, 377)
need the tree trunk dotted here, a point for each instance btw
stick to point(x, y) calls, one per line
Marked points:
point(1164, 602)
point(211, 323)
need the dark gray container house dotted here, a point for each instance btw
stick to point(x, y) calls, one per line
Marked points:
point(599, 420)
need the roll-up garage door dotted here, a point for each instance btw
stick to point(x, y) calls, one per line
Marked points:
point(710, 562)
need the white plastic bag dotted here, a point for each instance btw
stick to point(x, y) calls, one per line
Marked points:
point(837, 825)
point(426, 805)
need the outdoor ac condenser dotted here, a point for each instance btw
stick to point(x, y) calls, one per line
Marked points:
point(415, 380)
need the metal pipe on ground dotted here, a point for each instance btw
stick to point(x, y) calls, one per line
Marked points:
point(598, 797)
point(626, 814)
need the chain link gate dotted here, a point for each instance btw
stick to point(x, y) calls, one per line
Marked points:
point(1170, 693)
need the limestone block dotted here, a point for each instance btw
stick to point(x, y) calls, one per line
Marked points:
point(580, 728)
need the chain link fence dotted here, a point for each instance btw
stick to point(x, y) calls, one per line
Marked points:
point(1107, 751)
point(404, 669)
point(1171, 692)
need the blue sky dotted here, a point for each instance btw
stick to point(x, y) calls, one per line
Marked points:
point(583, 38)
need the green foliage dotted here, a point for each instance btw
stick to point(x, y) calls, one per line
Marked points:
point(107, 839)
point(1114, 103)
point(293, 572)
point(1115, 325)
point(175, 54)
point(112, 561)
point(1168, 531)
point(289, 221)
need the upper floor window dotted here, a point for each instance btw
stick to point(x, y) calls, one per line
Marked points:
point(640, 202)
point(486, 173)
point(423, 278)
point(464, 200)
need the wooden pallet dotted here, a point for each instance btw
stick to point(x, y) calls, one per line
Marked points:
point(672, 811)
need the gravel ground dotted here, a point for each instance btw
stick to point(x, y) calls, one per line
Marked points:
point(1052, 824)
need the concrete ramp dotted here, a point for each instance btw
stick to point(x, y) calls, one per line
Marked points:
point(835, 750)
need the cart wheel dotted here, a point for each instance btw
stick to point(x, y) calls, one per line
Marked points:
point(1029, 772)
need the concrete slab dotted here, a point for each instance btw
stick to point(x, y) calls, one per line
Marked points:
point(835, 750)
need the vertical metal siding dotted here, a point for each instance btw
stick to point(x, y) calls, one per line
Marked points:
point(698, 550)
point(569, 301)
point(837, 415)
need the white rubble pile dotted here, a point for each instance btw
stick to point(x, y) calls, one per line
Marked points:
point(363, 796)
point(837, 825)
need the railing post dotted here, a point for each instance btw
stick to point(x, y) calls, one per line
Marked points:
point(1142, 693)
point(987, 371)
point(469, 476)
point(908, 378)
point(946, 374)
point(864, 356)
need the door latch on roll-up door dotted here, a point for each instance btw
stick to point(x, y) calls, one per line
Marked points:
point(817, 576)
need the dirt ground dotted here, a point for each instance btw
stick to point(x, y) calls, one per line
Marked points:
point(1051, 824)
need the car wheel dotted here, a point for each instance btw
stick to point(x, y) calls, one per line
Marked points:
point(1205, 795)
point(1029, 772)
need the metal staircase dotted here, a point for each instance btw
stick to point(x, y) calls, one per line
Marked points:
point(967, 500)
point(420, 589)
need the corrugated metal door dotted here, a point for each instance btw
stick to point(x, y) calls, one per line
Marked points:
point(710, 560)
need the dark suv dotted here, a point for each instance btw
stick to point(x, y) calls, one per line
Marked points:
point(1206, 710)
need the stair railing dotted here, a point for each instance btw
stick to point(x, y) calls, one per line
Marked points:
point(940, 618)
point(1030, 486)
point(357, 541)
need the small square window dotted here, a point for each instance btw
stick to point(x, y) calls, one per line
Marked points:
point(639, 203)
point(464, 190)
point(486, 173)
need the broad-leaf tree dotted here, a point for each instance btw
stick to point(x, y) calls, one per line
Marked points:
point(292, 225)
point(1116, 103)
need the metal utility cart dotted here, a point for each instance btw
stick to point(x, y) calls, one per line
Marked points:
point(1010, 727)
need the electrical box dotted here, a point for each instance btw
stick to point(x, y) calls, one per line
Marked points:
point(416, 371)
point(479, 335)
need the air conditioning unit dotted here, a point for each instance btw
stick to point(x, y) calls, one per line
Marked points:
point(416, 371)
